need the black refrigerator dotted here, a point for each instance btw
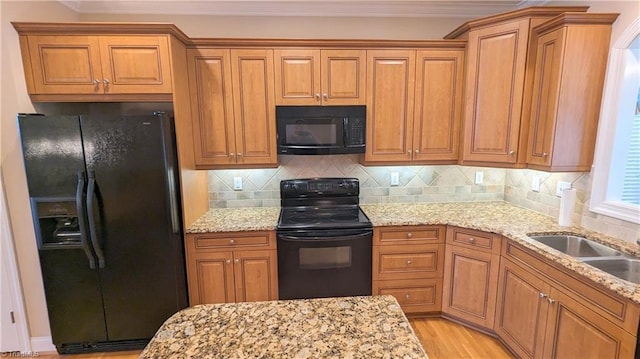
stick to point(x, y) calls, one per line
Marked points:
point(105, 204)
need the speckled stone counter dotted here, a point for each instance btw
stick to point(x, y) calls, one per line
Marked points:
point(236, 219)
point(498, 217)
point(350, 327)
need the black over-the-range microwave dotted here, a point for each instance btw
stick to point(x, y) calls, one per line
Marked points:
point(317, 130)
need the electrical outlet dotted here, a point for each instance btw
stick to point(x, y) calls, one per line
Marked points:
point(237, 183)
point(535, 183)
point(479, 177)
point(395, 178)
point(560, 186)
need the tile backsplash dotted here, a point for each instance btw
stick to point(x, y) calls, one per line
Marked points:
point(261, 187)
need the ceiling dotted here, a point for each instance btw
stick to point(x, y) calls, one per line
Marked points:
point(357, 8)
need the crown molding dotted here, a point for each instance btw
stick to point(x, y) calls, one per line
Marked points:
point(339, 8)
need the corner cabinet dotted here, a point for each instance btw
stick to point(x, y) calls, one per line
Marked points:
point(571, 54)
point(470, 275)
point(231, 267)
point(414, 105)
point(320, 76)
point(100, 64)
point(233, 108)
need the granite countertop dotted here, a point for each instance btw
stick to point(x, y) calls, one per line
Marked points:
point(347, 327)
point(498, 217)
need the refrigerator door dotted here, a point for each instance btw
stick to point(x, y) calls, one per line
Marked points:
point(129, 162)
point(53, 157)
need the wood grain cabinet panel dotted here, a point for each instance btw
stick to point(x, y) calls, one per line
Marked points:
point(413, 295)
point(571, 54)
point(407, 262)
point(232, 102)
point(320, 77)
point(231, 267)
point(100, 64)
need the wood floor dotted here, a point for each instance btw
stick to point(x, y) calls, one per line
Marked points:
point(440, 338)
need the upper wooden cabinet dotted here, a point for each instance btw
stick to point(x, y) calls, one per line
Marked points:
point(414, 105)
point(233, 110)
point(86, 65)
point(566, 104)
point(496, 84)
point(320, 77)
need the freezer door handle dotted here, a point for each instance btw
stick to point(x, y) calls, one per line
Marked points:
point(91, 188)
point(81, 223)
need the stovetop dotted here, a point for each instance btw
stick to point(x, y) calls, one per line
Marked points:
point(334, 217)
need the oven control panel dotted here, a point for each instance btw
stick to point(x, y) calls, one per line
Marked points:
point(295, 188)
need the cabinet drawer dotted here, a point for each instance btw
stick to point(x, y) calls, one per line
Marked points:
point(407, 262)
point(620, 311)
point(414, 296)
point(234, 240)
point(408, 235)
point(473, 239)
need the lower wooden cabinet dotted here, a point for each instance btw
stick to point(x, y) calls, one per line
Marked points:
point(470, 275)
point(538, 318)
point(232, 267)
point(407, 263)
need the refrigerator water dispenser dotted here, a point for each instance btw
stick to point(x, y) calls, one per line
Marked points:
point(56, 222)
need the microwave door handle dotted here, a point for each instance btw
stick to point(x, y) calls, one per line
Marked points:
point(345, 131)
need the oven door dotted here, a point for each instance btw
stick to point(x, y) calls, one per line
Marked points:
point(317, 266)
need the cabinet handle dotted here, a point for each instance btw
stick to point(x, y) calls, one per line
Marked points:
point(105, 82)
point(512, 152)
point(544, 154)
point(409, 153)
point(542, 295)
point(417, 151)
point(325, 96)
point(409, 262)
point(551, 301)
point(472, 240)
point(228, 261)
point(409, 235)
point(231, 155)
point(407, 296)
point(96, 82)
point(239, 154)
point(237, 260)
point(232, 241)
point(317, 96)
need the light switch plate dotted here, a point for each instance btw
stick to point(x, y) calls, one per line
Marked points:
point(479, 177)
point(395, 178)
point(237, 183)
point(535, 183)
point(560, 186)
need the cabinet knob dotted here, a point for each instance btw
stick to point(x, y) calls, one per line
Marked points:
point(542, 295)
point(409, 262)
point(407, 296)
point(409, 235)
point(409, 153)
point(512, 152)
point(231, 155)
point(544, 154)
point(232, 241)
point(417, 151)
point(317, 97)
point(96, 82)
point(237, 260)
point(325, 96)
point(551, 301)
point(472, 240)
point(239, 154)
point(105, 82)
point(228, 261)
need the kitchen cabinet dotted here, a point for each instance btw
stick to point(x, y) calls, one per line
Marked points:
point(414, 105)
point(571, 52)
point(231, 267)
point(407, 263)
point(96, 64)
point(545, 313)
point(470, 275)
point(233, 110)
point(320, 76)
point(497, 82)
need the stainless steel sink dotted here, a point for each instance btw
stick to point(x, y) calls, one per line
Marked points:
point(623, 268)
point(576, 246)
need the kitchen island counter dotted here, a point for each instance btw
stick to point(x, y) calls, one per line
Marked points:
point(348, 327)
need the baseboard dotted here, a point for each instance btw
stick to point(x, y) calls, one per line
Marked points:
point(42, 345)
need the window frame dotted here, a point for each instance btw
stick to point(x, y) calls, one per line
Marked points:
point(607, 132)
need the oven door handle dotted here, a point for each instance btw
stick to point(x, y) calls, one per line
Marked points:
point(337, 238)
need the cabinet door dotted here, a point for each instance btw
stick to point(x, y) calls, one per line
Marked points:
point(408, 262)
point(297, 77)
point(256, 275)
point(343, 77)
point(470, 278)
point(438, 105)
point(574, 331)
point(254, 106)
point(546, 82)
point(389, 105)
point(211, 106)
point(211, 278)
point(65, 64)
point(135, 64)
point(494, 91)
point(521, 312)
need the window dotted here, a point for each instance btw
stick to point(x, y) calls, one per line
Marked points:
point(616, 179)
